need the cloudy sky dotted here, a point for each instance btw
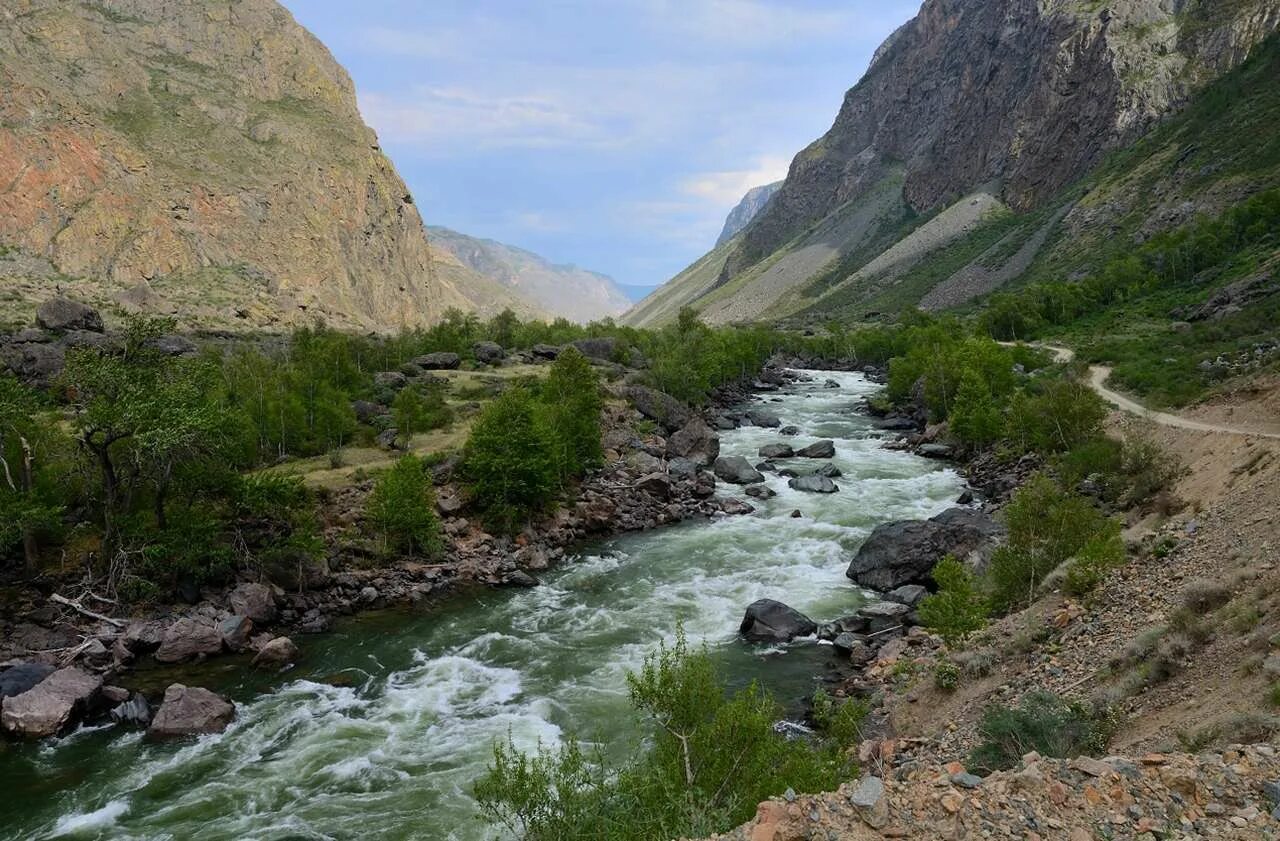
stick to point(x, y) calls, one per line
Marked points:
point(614, 134)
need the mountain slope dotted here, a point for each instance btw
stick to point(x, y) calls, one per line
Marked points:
point(1008, 98)
point(746, 210)
point(562, 290)
point(209, 156)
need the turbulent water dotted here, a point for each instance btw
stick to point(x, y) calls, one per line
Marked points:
point(381, 731)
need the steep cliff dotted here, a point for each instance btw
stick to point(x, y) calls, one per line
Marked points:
point(994, 104)
point(574, 293)
point(746, 210)
point(208, 159)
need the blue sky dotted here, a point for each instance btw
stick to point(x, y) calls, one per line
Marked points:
point(614, 134)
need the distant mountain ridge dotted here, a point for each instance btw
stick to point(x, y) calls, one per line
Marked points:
point(561, 290)
point(208, 160)
point(951, 163)
point(746, 210)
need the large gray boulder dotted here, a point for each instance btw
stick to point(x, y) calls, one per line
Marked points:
point(659, 407)
point(64, 314)
point(438, 361)
point(694, 441)
point(813, 484)
point(190, 711)
point(601, 348)
point(759, 417)
point(776, 451)
point(256, 601)
point(18, 679)
point(34, 362)
point(277, 652)
point(905, 552)
point(51, 705)
point(490, 353)
point(818, 449)
point(188, 639)
point(767, 620)
point(737, 470)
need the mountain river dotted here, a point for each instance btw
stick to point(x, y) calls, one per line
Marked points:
point(379, 732)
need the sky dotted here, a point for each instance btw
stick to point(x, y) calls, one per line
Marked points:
point(612, 134)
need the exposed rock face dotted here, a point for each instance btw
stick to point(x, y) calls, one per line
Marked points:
point(218, 147)
point(50, 705)
point(771, 621)
point(1030, 93)
point(905, 552)
point(577, 294)
point(190, 711)
point(746, 210)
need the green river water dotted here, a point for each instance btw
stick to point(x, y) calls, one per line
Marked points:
point(380, 731)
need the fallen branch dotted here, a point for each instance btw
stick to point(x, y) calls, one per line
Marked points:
point(81, 609)
point(886, 631)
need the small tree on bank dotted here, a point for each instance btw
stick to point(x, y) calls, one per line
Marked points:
point(402, 510)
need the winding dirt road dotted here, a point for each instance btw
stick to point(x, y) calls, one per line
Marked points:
point(1098, 375)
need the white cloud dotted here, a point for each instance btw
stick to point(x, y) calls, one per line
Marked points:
point(759, 23)
point(725, 188)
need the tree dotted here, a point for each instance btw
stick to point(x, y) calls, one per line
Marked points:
point(957, 609)
point(1059, 415)
point(416, 410)
point(572, 404)
point(508, 461)
point(26, 506)
point(975, 417)
point(402, 509)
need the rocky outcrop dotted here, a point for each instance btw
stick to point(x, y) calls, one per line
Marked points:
point(746, 210)
point(905, 552)
point(767, 620)
point(219, 149)
point(51, 705)
point(190, 711)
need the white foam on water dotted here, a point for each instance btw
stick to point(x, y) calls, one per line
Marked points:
point(84, 822)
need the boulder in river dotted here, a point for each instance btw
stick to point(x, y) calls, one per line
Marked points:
point(235, 631)
point(737, 470)
point(818, 449)
point(759, 417)
point(776, 451)
point(187, 639)
point(51, 705)
point(256, 601)
point(767, 620)
point(813, 484)
point(694, 441)
point(760, 491)
point(735, 507)
point(935, 451)
point(884, 615)
point(829, 470)
point(190, 711)
point(905, 552)
point(704, 485)
point(282, 650)
point(789, 430)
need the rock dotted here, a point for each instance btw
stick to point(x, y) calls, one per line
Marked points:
point(760, 492)
point(656, 484)
point(18, 679)
point(722, 423)
point(735, 507)
point(882, 616)
point(682, 468)
point(438, 361)
point(831, 384)
point(829, 470)
point(935, 451)
point(966, 780)
point(965, 498)
point(602, 348)
point(813, 484)
point(818, 449)
point(135, 711)
point(37, 363)
point(190, 711)
point(869, 799)
point(789, 430)
point(277, 652)
point(795, 515)
point(908, 594)
point(387, 438)
point(368, 594)
point(694, 441)
point(520, 578)
point(545, 352)
point(143, 637)
point(367, 411)
point(187, 639)
point(172, 344)
point(659, 407)
point(845, 642)
point(236, 631)
point(490, 353)
point(776, 451)
point(390, 379)
point(767, 620)
point(63, 314)
point(737, 470)
point(256, 601)
point(51, 705)
point(86, 339)
point(704, 485)
point(114, 695)
point(897, 423)
point(759, 417)
point(905, 552)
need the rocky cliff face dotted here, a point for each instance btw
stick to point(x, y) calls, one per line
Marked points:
point(207, 158)
point(746, 210)
point(574, 293)
point(1018, 96)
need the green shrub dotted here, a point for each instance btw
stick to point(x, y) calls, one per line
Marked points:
point(509, 463)
point(417, 410)
point(571, 406)
point(946, 675)
point(957, 609)
point(401, 509)
point(1047, 527)
point(840, 719)
point(1056, 416)
point(710, 759)
point(1042, 722)
point(975, 417)
point(1103, 552)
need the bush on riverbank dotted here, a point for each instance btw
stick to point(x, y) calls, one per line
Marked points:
point(711, 758)
point(402, 510)
point(1042, 722)
point(958, 608)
